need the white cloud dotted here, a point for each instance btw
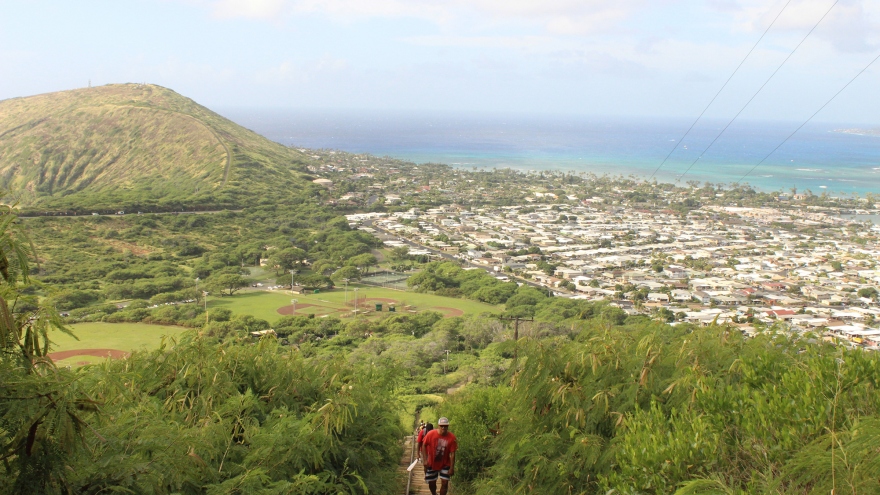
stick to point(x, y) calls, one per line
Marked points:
point(850, 26)
point(289, 72)
point(174, 69)
point(251, 9)
point(528, 43)
point(570, 17)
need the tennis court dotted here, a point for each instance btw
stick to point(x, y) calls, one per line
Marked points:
point(391, 280)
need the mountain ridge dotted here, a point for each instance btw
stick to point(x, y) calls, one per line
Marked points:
point(136, 145)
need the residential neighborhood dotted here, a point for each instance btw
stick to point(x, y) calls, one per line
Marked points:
point(698, 268)
point(697, 253)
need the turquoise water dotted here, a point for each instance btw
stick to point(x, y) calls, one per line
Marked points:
point(817, 158)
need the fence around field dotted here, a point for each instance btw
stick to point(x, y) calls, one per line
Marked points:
point(390, 280)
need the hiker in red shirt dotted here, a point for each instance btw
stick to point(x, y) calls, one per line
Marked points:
point(438, 454)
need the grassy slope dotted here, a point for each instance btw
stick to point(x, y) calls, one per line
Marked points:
point(135, 145)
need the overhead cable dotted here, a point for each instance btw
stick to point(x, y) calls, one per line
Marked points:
point(810, 118)
point(674, 146)
point(759, 89)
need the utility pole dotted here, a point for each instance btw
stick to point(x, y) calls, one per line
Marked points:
point(355, 302)
point(206, 306)
point(446, 363)
point(293, 301)
point(515, 321)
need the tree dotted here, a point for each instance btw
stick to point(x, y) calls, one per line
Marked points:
point(287, 259)
point(73, 298)
point(230, 283)
point(868, 292)
point(314, 281)
point(44, 414)
point(362, 261)
point(400, 253)
point(496, 293)
point(346, 272)
point(324, 266)
point(547, 268)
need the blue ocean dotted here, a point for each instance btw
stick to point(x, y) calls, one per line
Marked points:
point(819, 157)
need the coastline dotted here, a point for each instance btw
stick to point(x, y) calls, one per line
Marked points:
point(819, 158)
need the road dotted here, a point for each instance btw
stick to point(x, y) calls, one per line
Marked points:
point(57, 215)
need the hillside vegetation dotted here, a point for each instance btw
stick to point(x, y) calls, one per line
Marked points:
point(136, 146)
point(577, 397)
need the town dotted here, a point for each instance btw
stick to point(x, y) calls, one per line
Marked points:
point(701, 254)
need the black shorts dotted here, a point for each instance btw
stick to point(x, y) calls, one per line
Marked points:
point(431, 475)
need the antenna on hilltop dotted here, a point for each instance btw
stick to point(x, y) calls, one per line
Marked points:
point(90, 83)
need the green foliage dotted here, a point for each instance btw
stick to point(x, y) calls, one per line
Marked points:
point(475, 415)
point(193, 417)
point(868, 292)
point(649, 408)
point(144, 288)
point(42, 409)
point(261, 418)
point(417, 325)
point(283, 260)
point(447, 278)
point(400, 253)
point(303, 329)
point(547, 268)
point(226, 283)
point(346, 272)
point(362, 261)
point(314, 281)
point(73, 298)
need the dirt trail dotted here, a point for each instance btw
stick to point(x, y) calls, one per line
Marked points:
point(417, 485)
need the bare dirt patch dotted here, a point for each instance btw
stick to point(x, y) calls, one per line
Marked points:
point(448, 312)
point(122, 245)
point(288, 310)
point(101, 353)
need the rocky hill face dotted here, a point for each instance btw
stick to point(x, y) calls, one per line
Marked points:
point(136, 146)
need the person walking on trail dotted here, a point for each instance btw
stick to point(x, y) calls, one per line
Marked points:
point(438, 454)
point(421, 438)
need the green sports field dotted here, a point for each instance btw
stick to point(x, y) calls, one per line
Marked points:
point(124, 337)
point(265, 304)
point(339, 302)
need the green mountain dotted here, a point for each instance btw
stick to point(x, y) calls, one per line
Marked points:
point(136, 146)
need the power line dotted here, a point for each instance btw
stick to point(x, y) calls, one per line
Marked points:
point(675, 146)
point(741, 110)
point(810, 118)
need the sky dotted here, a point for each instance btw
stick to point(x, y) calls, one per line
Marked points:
point(623, 58)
